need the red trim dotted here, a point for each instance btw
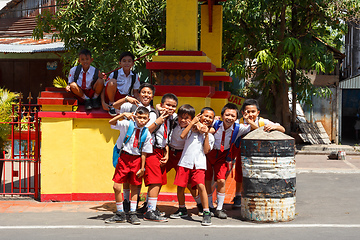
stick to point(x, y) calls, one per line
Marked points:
point(81, 113)
point(221, 70)
point(221, 94)
point(54, 89)
point(77, 197)
point(181, 53)
point(102, 197)
point(25, 135)
point(57, 101)
point(185, 91)
point(56, 94)
point(204, 66)
point(217, 78)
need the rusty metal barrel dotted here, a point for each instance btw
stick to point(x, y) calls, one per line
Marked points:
point(269, 176)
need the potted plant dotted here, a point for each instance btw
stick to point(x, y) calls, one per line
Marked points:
point(7, 98)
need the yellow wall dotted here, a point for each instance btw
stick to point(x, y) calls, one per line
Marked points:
point(182, 25)
point(211, 42)
point(77, 153)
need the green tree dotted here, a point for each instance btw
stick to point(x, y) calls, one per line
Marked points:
point(272, 42)
point(106, 27)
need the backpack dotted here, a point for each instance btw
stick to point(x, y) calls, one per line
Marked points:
point(234, 143)
point(133, 79)
point(77, 73)
point(130, 131)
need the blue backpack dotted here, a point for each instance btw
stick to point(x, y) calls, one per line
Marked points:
point(130, 131)
point(234, 143)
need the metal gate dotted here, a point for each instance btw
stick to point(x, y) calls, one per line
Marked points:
point(20, 161)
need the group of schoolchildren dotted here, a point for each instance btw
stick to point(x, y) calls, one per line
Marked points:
point(153, 141)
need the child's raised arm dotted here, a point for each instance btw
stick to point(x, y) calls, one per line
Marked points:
point(206, 146)
point(195, 120)
point(119, 117)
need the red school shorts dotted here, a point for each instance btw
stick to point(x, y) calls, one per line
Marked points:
point(174, 157)
point(126, 169)
point(117, 95)
point(184, 176)
point(238, 169)
point(216, 165)
point(154, 173)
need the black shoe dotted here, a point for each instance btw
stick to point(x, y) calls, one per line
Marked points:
point(143, 209)
point(133, 219)
point(206, 219)
point(159, 213)
point(95, 102)
point(112, 111)
point(152, 216)
point(180, 213)
point(200, 209)
point(220, 214)
point(119, 217)
point(88, 105)
point(237, 202)
point(126, 205)
point(212, 211)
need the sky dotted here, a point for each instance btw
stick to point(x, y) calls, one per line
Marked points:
point(3, 3)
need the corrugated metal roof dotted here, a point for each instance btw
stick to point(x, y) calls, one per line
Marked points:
point(3, 3)
point(351, 83)
point(28, 45)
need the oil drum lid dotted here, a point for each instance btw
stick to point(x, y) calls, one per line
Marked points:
point(260, 134)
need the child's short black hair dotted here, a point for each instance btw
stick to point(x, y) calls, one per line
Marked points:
point(186, 109)
point(171, 96)
point(142, 110)
point(125, 54)
point(207, 109)
point(249, 102)
point(148, 85)
point(85, 52)
point(230, 106)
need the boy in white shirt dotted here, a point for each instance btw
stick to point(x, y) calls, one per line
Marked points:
point(131, 162)
point(192, 164)
point(217, 165)
point(251, 110)
point(121, 82)
point(84, 81)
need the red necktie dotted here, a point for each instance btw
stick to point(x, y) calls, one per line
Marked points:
point(136, 140)
point(83, 84)
point(222, 141)
point(165, 129)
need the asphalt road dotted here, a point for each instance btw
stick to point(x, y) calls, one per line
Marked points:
point(327, 207)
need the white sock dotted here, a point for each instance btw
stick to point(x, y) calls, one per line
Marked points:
point(126, 194)
point(220, 200)
point(133, 206)
point(85, 97)
point(238, 194)
point(95, 95)
point(152, 204)
point(210, 198)
point(119, 207)
point(197, 199)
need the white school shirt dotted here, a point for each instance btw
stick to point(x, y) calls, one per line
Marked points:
point(124, 82)
point(243, 129)
point(89, 76)
point(123, 126)
point(158, 136)
point(193, 154)
point(176, 141)
point(126, 107)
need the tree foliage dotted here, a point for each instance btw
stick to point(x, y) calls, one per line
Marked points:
point(106, 27)
point(269, 42)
